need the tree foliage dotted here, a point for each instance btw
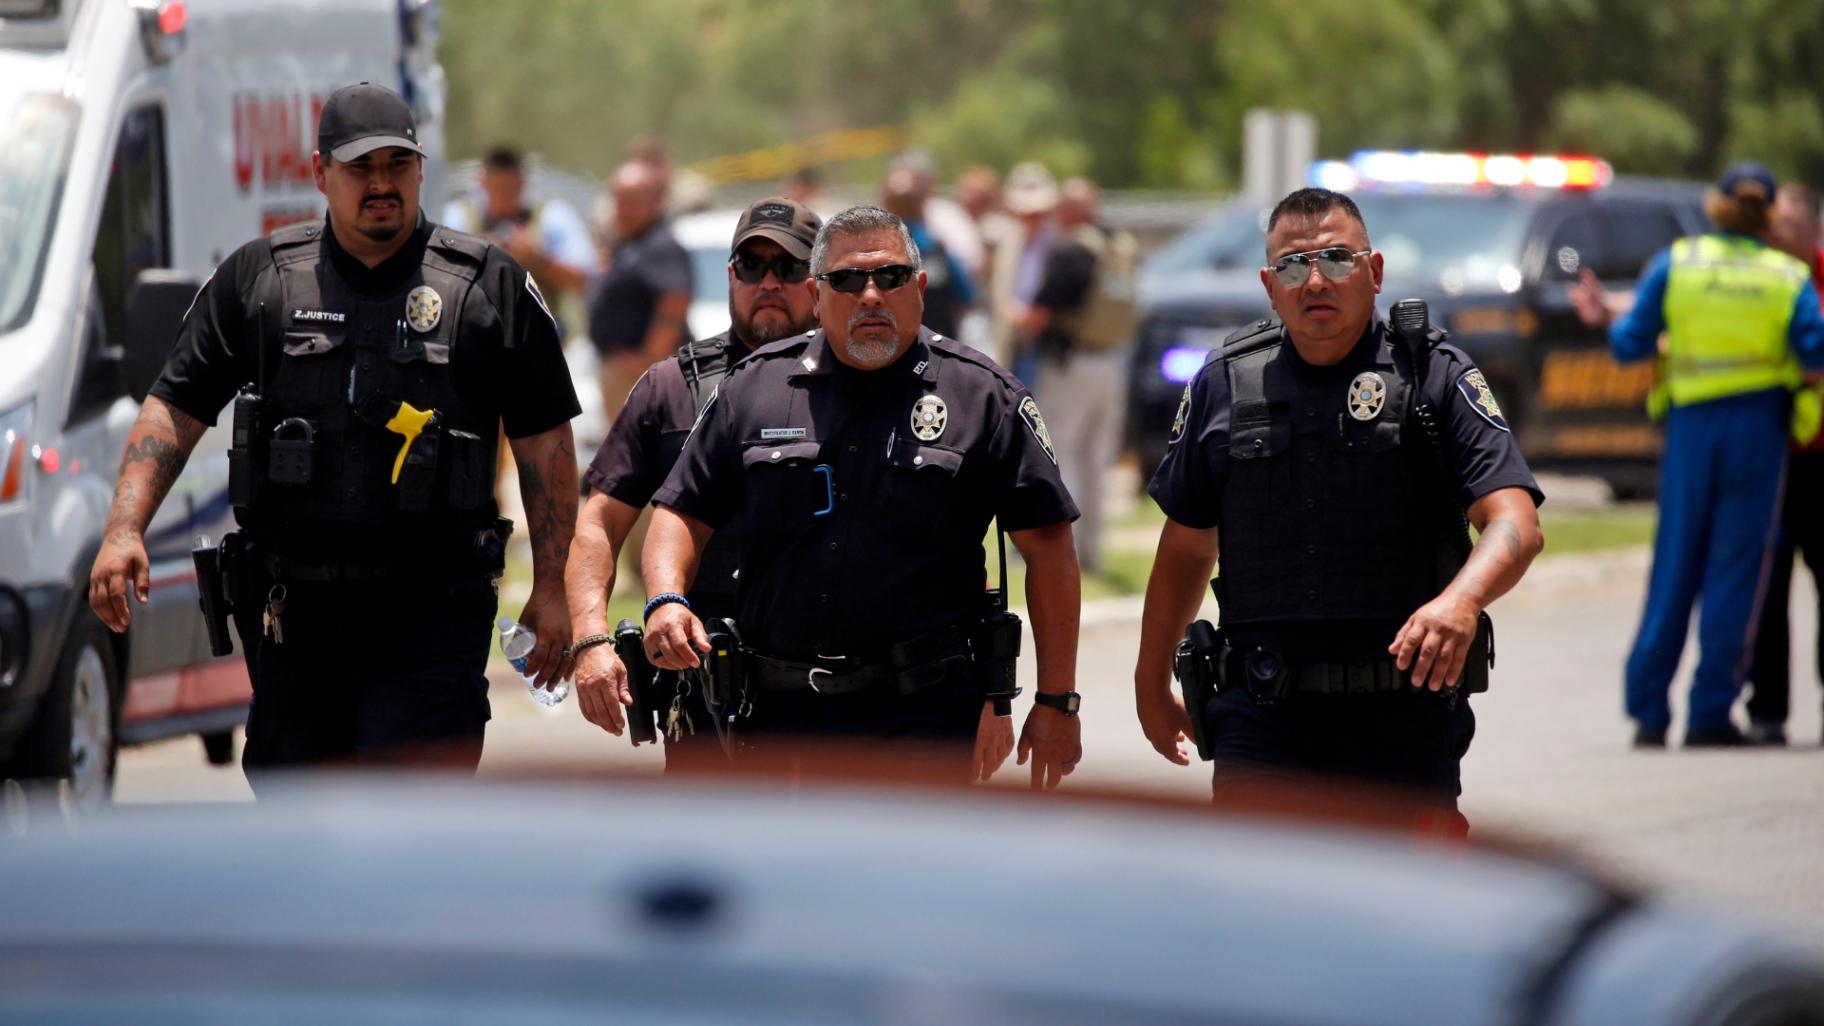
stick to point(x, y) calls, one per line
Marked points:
point(1145, 95)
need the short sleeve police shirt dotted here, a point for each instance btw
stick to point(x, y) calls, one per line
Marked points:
point(866, 495)
point(643, 269)
point(648, 434)
point(1478, 442)
point(507, 362)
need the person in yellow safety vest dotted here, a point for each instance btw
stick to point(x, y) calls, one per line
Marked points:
point(1740, 320)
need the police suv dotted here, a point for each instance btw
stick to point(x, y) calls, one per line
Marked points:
point(141, 141)
point(1494, 244)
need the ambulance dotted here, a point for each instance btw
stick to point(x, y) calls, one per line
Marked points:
point(141, 142)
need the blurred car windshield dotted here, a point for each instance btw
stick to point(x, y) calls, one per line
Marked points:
point(1453, 242)
point(1231, 240)
point(36, 133)
point(709, 273)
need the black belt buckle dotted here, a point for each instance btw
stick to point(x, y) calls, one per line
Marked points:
point(1265, 674)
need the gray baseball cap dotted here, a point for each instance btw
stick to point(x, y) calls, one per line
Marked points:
point(792, 225)
point(360, 119)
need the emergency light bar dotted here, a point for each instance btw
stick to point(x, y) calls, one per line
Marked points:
point(1420, 169)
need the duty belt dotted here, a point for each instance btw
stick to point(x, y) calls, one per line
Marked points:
point(908, 667)
point(1268, 678)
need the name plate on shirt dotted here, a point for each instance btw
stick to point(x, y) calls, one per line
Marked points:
point(778, 434)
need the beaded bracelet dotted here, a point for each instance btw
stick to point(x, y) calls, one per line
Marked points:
point(662, 599)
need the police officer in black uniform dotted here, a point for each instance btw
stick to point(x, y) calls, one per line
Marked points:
point(376, 355)
point(1349, 612)
point(865, 461)
point(769, 260)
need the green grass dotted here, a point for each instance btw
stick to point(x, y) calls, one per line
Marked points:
point(1596, 529)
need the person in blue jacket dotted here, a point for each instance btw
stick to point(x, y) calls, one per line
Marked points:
point(1741, 326)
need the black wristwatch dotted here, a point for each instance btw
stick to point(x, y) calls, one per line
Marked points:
point(1066, 703)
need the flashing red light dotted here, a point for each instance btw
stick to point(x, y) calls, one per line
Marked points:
point(172, 16)
point(12, 481)
point(49, 461)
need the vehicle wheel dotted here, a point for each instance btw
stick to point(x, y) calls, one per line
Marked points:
point(218, 747)
point(74, 738)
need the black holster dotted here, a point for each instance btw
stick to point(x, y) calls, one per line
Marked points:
point(1197, 666)
point(642, 676)
point(221, 582)
point(994, 645)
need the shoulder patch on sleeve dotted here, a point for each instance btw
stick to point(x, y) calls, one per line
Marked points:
point(1184, 411)
point(539, 298)
point(1029, 412)
point(1474, 388)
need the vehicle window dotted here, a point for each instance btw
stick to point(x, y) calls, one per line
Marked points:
point(709, 273)
point(133, 235)
point(36, 134)
point(1232, 240)
point(1459, 243)
point(1573, 246)
point(1637, 231)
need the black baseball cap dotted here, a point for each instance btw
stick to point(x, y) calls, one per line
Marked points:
point(792, 225)
point(362, 118)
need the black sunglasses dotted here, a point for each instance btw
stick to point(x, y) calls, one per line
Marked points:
point(853, 279)
point(1334, 263)
point(752, 269)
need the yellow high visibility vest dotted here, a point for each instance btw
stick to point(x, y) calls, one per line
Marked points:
point(1728, 306)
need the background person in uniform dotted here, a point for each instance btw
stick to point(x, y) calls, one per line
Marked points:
point(1296, 458)
point(1794, 228)
point(866, 461)
point(951, 291)
point(769, 261)
point(381, 614)
point(1082, 318)
point(1735, 312)
point(546, 237)
point(637, 316)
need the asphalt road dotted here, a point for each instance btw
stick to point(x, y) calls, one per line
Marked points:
point(1550, 762)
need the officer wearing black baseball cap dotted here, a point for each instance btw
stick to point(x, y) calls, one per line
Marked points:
point(769, 259)
point(376, 357)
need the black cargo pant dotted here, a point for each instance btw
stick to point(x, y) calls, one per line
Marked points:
point(1410, 742)
point(1802, 531)
point(388, 672)
point(928, 735)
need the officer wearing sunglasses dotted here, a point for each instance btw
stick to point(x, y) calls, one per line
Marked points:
point(769, 261)
point(1330, 462)
point(867, 460)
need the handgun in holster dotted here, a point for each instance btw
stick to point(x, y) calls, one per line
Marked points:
point(995, 645)
point(724, 678)
point(1198, 665)
point(642, 716)
point(219, 570)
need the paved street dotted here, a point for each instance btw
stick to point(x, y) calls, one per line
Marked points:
point(1550, 761)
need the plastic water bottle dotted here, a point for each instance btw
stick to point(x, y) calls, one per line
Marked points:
point(516, 643)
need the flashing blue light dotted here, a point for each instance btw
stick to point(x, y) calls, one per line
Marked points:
point(1180, 364)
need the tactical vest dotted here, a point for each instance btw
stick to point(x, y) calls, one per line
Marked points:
point(1728, 306)
point(1324, 516)
point(704, 365)
point(1106, 318)
point(346, 365)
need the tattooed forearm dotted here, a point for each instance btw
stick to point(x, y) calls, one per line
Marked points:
point(547, 487)
point(156, 450)
point(1499, 559)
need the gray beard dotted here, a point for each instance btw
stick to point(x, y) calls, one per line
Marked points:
point(872, 355)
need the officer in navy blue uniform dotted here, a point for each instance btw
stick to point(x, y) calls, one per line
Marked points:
point(769, 260)
point(866, 461)
point(377, 356)
point(1348, 609)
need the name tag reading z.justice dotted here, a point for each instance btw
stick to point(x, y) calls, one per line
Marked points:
point(780, 434)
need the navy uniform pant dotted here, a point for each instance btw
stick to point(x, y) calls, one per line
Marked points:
point(929, 735)
point(1802, 532)
point(1412, 742)
point(376, 672)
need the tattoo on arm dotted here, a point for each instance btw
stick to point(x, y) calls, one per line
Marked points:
point(547, 486)
point(1497, 551)
point(156, 451)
